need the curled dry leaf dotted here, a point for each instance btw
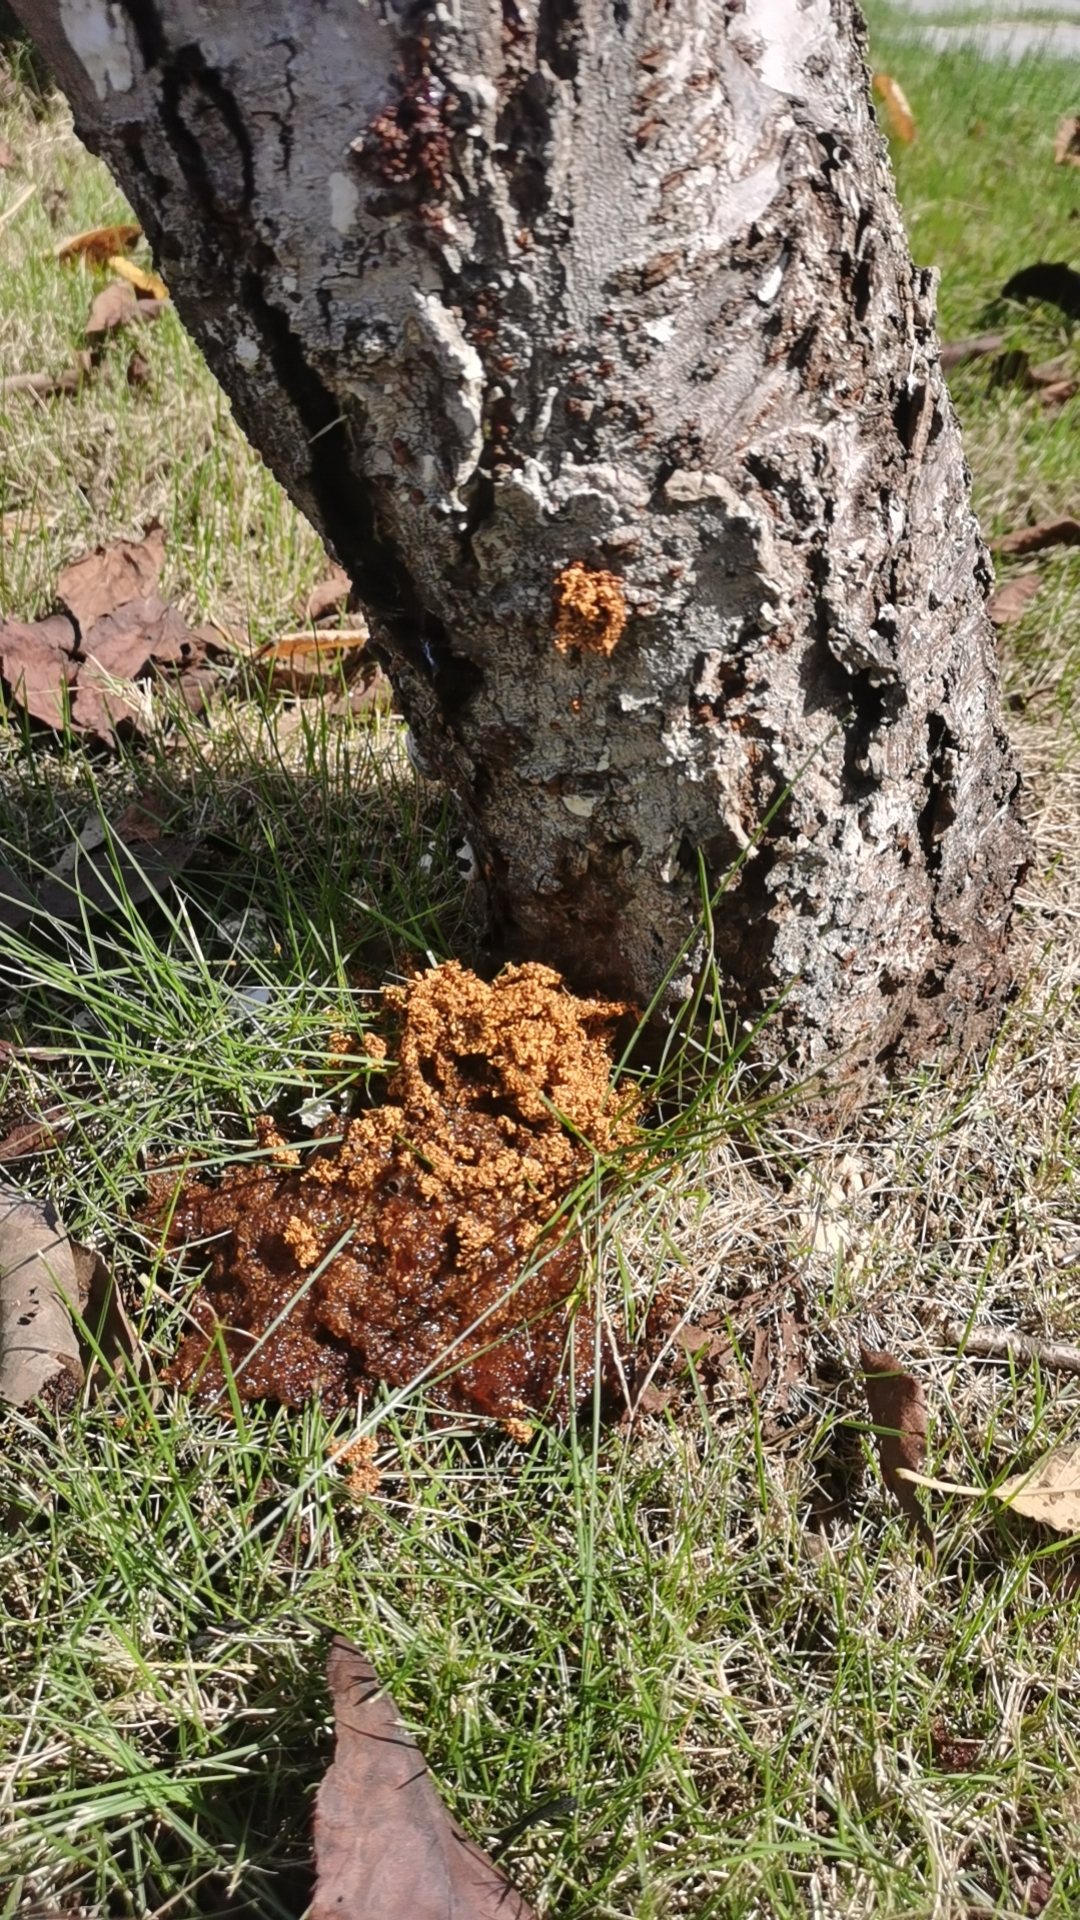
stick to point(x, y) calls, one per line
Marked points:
point(897, 1406)
point(138, 371)
point(44, 384)
point(1009, 603)
point(98, 244)
point(955, 353)
point(113, 307)
point(307, 662)
point(1048, 533)
point(38, 1285)
point(330, 595)
point(149, 283)
point(384, 1843)
point(35, 1136)
point(897, 110)
point(1049, 1491)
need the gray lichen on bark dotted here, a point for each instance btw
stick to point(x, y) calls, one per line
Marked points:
point(558, 291)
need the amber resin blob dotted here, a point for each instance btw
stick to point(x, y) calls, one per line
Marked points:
point(501, 1096)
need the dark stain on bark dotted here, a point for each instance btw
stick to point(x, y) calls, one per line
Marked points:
point(558, 32)
point(207, 133)
point(939, 811)
point(524, 133)
point(147, 29)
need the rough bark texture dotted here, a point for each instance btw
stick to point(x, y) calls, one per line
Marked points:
point(587, 332)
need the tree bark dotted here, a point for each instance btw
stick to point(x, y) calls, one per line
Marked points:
point(587, 333)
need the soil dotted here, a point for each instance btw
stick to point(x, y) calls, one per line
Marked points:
point(501, 1095)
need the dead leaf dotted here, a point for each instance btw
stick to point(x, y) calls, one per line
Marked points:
point(384, 1842)
point(138, 371)
point(38, 1346)
point(114, 1346)
point(196, 689)
point(137, 277)
point(329, 595)
point(92, 880)
point(97, 245)
point(954, 353)
point(897, 1406)
point(1048, 533)
point(1010, 601)
point(117, 306)
point(36, 1136)
point(71, 380)
point(36, 663)
point(110, 576)
point(1057, 392)
point(653, 1399)
point(1038, 1889)
point(304, 663)
point(1049, 1491)
point(1067, 142)
point(897, 111)
point(7, 155)
point(138, 822)
point(113, 307)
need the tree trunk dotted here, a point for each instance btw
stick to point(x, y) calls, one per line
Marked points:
point(587, 333)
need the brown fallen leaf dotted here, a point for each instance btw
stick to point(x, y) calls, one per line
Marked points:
point(98, 244)
point(138, 371)
point(70, 380)
point(329, 595)
point(197, 688)
point(897, 110)
point(37, 666)
point(7, 155)
point(954, 353)
point(39, 1350)
point(304, 663)
point(149, 283)
point(111, 576)
point(384, 1843)
point(897, 1406)
point(1009, 603)
point(1048, 533)
point(93, 880)
point(114, 1346)
point(653, 1399)
point(36, 1136)
point(1057, 392)
point(113, 307)
point(1067, 142)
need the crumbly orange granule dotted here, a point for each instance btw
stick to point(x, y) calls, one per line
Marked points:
point(590, 609)
point(358, 1461)
point(501, 1094)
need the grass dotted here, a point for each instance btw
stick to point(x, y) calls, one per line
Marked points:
point(711, 1629)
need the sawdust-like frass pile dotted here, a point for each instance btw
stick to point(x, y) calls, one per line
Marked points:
point(500, 1095)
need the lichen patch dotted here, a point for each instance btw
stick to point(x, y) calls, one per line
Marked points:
point(590, 609)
